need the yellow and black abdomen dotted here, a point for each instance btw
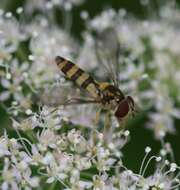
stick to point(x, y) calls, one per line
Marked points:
point(77, 75)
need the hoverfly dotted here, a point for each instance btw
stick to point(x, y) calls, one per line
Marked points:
point(108, 96)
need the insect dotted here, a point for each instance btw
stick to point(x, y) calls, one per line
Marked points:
point(108, 96)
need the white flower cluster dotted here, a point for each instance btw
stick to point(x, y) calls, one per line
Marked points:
point(147, 56)
point(50, 146)
point(45, 5)
point(76, 159)
point(28, 71)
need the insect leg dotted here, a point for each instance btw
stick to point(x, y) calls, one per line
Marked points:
point(94, 130)
point(97, 118)
point(123, 122)
point(107, 127)
point(75, 101)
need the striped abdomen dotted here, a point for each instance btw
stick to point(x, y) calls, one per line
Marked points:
point(77, 75)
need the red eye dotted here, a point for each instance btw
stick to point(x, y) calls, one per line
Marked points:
point(122, 109)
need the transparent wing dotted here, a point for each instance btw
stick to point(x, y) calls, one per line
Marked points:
point(58, 95)
point(76, 101)
point(108, 51)
point(71, 103)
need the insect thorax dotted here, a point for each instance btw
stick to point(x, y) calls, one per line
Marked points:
point(110, 94)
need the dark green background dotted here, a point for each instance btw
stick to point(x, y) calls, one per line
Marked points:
point(140, 137)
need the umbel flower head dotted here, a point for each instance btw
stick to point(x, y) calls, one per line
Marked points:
point(49, 146)
point(77, 159)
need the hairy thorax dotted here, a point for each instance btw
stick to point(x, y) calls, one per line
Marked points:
point(110, 96)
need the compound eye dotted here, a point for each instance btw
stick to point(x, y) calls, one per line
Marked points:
point(122, 110)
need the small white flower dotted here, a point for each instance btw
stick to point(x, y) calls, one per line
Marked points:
point(148, 149)
point(48, 159)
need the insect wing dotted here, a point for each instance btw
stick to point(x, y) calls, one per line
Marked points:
point(107, 49)
point(71, 103)
point(59, 95)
